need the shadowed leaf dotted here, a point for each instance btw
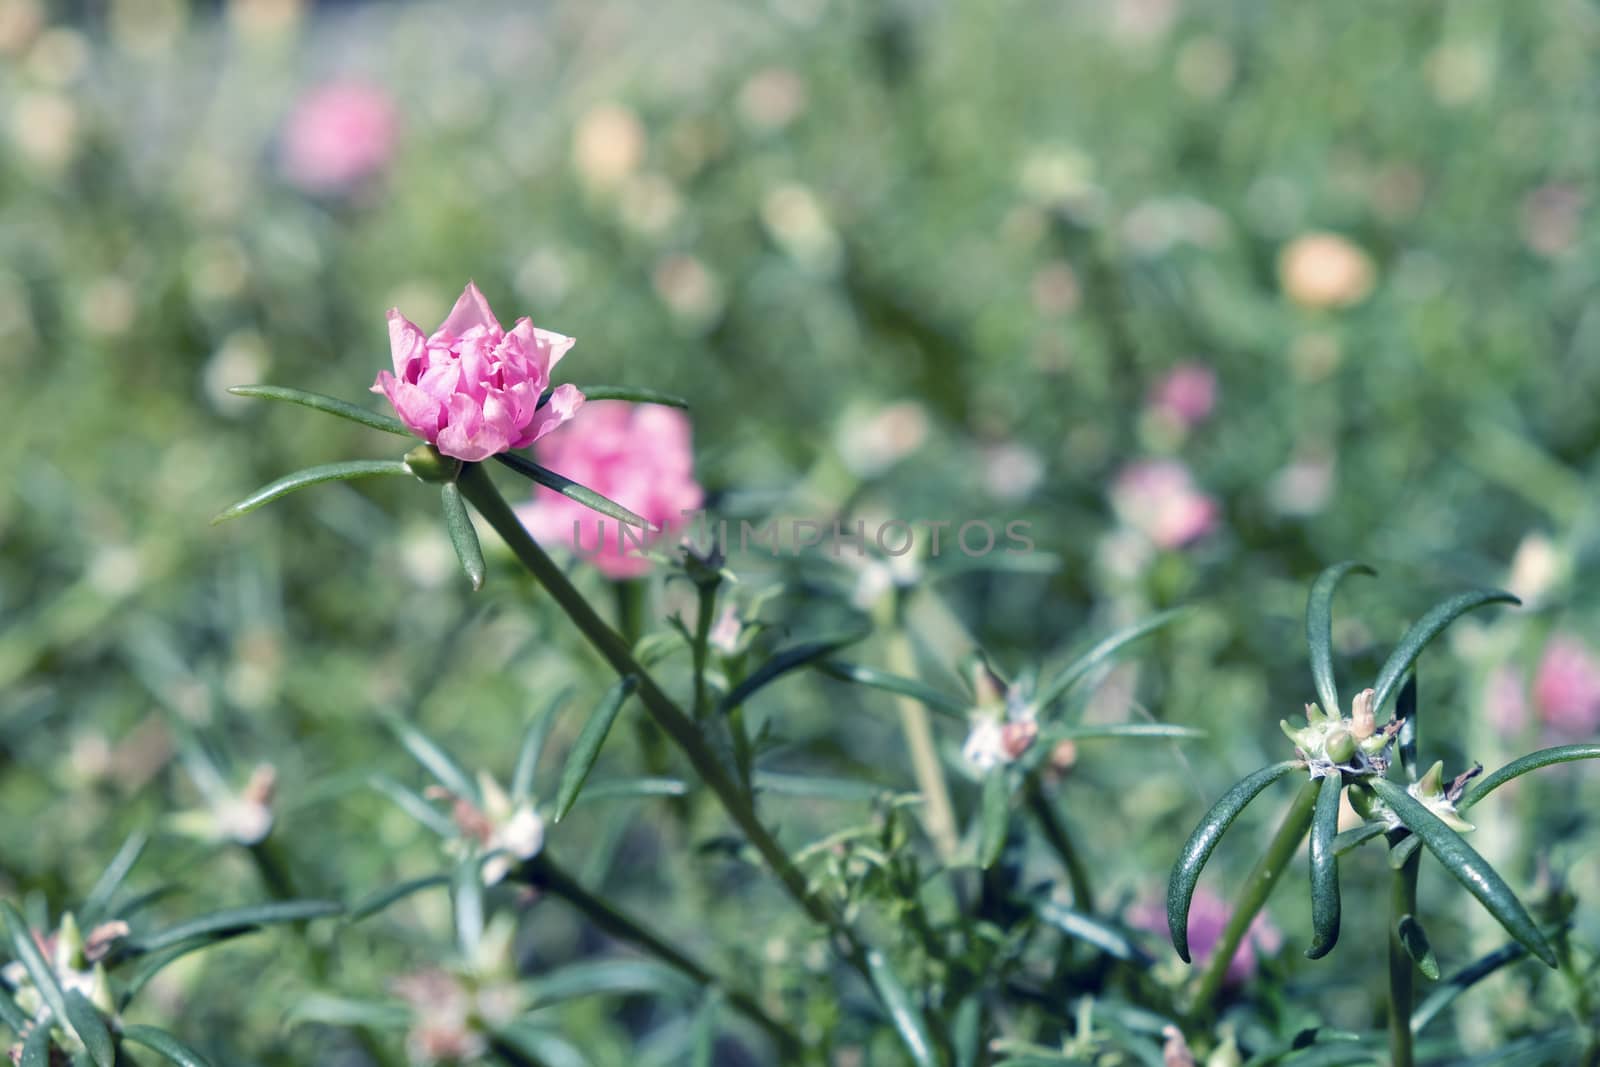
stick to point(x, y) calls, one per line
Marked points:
point(1325, 868)
point(327, 472)
point(1424, 630)
point(1531, 762)
point(1319, 628)
point(463, 536)
point(580, 761)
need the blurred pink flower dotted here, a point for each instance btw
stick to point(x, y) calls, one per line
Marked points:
point(1159, 498)
point(1505, 700)
point(1208, 914)
point(1566, 689)
point(339, 134)
point(472, 389)
point(638, 455)
point(1186, 395)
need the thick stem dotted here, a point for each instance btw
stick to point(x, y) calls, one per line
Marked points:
point(545, 873)
point(1257, 887)
point(1402, 971)
point(938, 813)
point(477, 487)
point(1060, 839)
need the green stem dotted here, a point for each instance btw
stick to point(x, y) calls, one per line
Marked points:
point(1258, 886)
point(1402, 975)
point(631, 596)
point(702, 640)
point(545, 873)
point(937, 812)
point(1060, 839)
point(477, 487)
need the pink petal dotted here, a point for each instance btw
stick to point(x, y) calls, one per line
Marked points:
point(407, 346)
point(418, 410)
point(565, 401)
point(469, 436)
point(471, 310)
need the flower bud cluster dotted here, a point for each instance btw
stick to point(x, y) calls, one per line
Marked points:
point(1329, 741)
point(1004, 722)
point(75, 961)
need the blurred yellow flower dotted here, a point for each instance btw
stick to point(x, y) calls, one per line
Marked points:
point(1325, 270)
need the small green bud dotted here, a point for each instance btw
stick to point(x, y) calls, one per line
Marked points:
point(431, 465)
point(1432, 783)
point(69, 945)
point(1340, 746)
point(1315, 715)
point(1361, 800)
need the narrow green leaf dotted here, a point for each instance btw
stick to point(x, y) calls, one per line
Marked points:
point(1355, 838)
point(1319, 628)
point(86, 1020)
point(1325, 868)
point(573, 491)
point(994, 817)
point(893, 683)
point(587, 748)
point(1426, 629)
point(1197, 850)
point(1104, 650)
point(348, 1011)
point(153, 963)
point(1415, 940)
point(1108, 938)
point(1467, 867)
point(1531, 762)
point(1405, 709)
point(634, 789)
point(631, 393)
point(435, 760)
point(605, 977)
point(111, 879)
point(164, 1044)
point(330, 405)
point(533, 745)
point(1127, 730)
point(782, 663)
point(463, 536)
point(466, 900)
point(388, 896)
point(1402, 850)
point(327, 472)
point(10, 1014)
point(704, 1043)
point(231, 922)
point(810, 785)
point(1463, 980)
point(26, 951)
point(36, 1049)
point(537, 1046)
point(907, 1020)
point(414, 805)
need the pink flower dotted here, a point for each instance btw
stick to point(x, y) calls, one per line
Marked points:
point(1566, 688)
point(638, 455)
point(338, 135)
point(472, 389)
point(1186, 395)
point(1159, 498)
point(1208, 914)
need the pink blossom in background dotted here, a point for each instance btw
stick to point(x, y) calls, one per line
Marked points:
point(1187, 394)
point(1159, 498)
point(339, 134)
point(1566, 689)
point(638, 455)
point(472, 389)
point(1505, 700)
point(1208, 914)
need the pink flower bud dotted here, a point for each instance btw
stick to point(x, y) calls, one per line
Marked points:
point(638, 455)
point(472, 390)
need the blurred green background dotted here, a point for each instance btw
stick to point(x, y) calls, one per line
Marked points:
point(931, 257)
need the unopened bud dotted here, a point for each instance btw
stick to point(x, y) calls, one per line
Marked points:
point(1064, 756)
point(986, 687)
point(69, 945)
point(1363, 722)
point(431, 465)
point(1314, 714)
point(1016, 737)
point(1175, 1052)
point(1432, 783)
point(1340, 746)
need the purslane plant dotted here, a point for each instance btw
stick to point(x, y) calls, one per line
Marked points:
point(64, 992)
point(1340, 753)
